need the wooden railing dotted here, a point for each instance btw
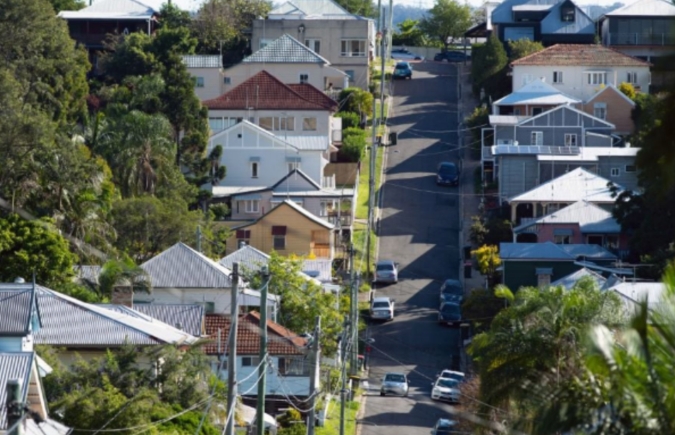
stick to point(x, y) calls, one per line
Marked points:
point(321, 250)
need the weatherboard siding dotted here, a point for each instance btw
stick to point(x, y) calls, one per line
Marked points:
point(319, 75)
point(517, 274)
point(628, 180)
point(213, 81)
point(517, 174)
point(619, 111)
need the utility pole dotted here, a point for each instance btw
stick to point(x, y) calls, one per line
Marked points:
point(343, 391)
point(379, 19)
point(262, 369)
point(383, 75)
point(371, 184)
point(314, 374)
point(232, 354)
point(354, 338)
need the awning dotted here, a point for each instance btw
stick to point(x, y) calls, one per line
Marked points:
point(247, 197)
point(562, 232)
point(254, 159)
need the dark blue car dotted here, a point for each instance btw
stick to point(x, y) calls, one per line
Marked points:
point(402, 70)
point(447, 174)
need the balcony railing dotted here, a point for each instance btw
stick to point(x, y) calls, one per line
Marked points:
point(662, 39)
point(342, 221)
point(321, 250)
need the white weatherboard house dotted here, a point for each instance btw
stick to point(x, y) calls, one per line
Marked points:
point(207, 73)
point(580, 71)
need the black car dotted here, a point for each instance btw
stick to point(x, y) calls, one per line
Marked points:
point(451, 56)
point(452, 291)
point(450, 313)
point(447, 174)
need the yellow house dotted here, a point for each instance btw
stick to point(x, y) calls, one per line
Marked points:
point(287, 229)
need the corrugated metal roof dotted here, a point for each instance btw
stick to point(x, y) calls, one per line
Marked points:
point(13, 366)
point(226, 191)
point(570, 280)
point(506, 119)
point(247, 256)
point(551, 251)
point(309, 7)
point(591, 154)
point(582, 24)
point(536, 92)
point(67, 321)
point(503, 13)
point(130, 9)
point(645, 8)
point(635, 292)
point(590, 217)
point(576, 185)
point(286, 49)
point(188, 318)
point(48, 427)
point(182, 267)
point(309, 143)
point(202, 61)
point(16, 310)
point(587, 251)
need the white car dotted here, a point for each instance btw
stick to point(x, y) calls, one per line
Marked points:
point(445, 389)
point(382, 308)
point(451, 374)
point(386, 271)
point(404, 54)
point(394, 383)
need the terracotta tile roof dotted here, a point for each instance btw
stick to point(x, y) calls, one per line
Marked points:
point(310, 93)
point(281, 341)
point(263, 91)
point(579, 55)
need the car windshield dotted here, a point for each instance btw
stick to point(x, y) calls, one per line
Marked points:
point(401, 66)
point(453, 375)
point(447, 170)
point(380, 305)
point(394, 378)
point(385, 266)
point(447, 383)
point(450, 309)
point(452, 290)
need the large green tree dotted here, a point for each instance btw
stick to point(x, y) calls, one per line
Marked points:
point(446, 21)
point(409, 34)
point(488, 63)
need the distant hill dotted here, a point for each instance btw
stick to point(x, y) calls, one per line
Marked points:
point(404, 12)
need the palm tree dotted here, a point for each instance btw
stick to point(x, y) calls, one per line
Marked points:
point(123, 273)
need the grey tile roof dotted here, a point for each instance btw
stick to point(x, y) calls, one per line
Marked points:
point(188, 318)
point(645, 8)
point(16, 308)
point(286, 49)
point(570, 280)
point(13, 366)
point(590, 217)
point(202, 61)
point(182, 267)
point(551, 251)
point(576, 185)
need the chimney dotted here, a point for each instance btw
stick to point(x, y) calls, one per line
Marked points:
point(14, 407)
point(123, 296)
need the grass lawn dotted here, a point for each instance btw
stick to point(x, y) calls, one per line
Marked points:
point(362, 206)
point(359, 244)
point(332, 426)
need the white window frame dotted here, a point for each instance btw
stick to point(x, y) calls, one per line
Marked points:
point(562, 240)
point(314, 44)
point(264, 43)
point(632, 77)
point(251, 206)
point(614, 172)
point(537, 137)
point(250, 361)
point(571, 140)
point(306, 77)
point(199, 82)
point(600, 110)
point(557, 77)
point(308, 127)
point(255, 169)
point(597, 78)
point(543, 280)
point(347, 48)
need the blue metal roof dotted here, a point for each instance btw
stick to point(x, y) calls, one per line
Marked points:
point(551, 251)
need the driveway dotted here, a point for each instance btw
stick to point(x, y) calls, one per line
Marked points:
point(419, 230)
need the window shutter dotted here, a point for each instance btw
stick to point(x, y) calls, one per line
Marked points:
point(243, 234)
point(278, 230)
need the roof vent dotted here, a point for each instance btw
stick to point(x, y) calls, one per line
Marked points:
point(19, 280)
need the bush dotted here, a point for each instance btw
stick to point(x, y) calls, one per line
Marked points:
point(479, 117)
point(356, 100)
point(353, 131)
point(349, 119)
point(352, 147)
point(628, 90)
point(220, 211)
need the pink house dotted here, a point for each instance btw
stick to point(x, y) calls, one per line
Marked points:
point(578, 223)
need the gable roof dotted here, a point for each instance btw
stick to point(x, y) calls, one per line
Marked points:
point(202, 61)
point(579, 55)
point(263, 91)
point(502, 13)
point(113, 9)
point(16, 310)
point(182, 267)
point(567, 108)
point(570, 280)
point(551, 251)
point(645, 8)
point(285, 49)
point(14, 366)
point(295, 172)
point(247, 256)
point(281, 341)
point(636, 292)
point(185, 317)
point(611, 88)
point(310, 93)
point(536, 92)
point(576, 185)
point(305, 8)
point(590, 217)
point(297, 208)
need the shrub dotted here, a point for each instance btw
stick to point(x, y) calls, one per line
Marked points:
point(479, 117)
point(353, 131)
point(220, 211)
point(349, 119)
point(352, 147)
point(628, 90)
point(356, 100)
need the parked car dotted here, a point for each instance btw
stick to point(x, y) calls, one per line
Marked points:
point(447, 174)
point(450, 313)
point(452, 291)
point(382, 308)
point(404, 54)
point(394, 383)
point(402, 70)
point(444, 426)
point(445, 389)
point(386, 271)
point(451, 374)
point(451, 56)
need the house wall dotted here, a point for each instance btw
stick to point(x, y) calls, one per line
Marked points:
point(322, 119)
point(311, 204)
point(575, 79)
point(554, 169)
point(517, 174)
point(626, 179)
point(645, 37)
point(298, 233)
point(319, 75)
point(213, 82)
point(275, 384)
point(517, 274)
point(330, 33)
point(619, 111)
point(593, 140)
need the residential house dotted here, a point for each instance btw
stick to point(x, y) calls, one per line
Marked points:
point(540, 264)
point(580, 71)
point(576, 185)
point(613, 106)
point(578, 223)
point(547, 21)
point(291, 61)
point(181, 275)
point(288, 376)
point(185, 317)
point(633, 293)
point(572, 279)
point(91, 25)
point(532, 99)
point(346, 40)
point(644, 29)
point(207, 73)
point(287, 229)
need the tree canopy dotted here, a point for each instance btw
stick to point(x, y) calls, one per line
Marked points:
point(447, 20)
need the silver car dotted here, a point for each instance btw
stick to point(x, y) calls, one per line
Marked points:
point(386, 271)
point(394, 383)
point(445, 389)
point(382, 308)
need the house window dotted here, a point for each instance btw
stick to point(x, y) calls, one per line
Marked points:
point(227, 80)
point(199, 82)
point(557, 77)
point(243, 237)
point(632, 77)
point(353, 48)
point(570, 140)
point(597, 78)
point(629, 168)
point(251, 206)
point(614, 172)
point(612, 242)
point(293, 366)
point(350, 74)
point(279, 235)
point(567, 14)
point(516, 112)
point(314, 45)
point(600, 110)
point(292, 166)
point(219, 124)
point(264, 43)
point(537, 138)
point(561, 240)
point(275, 123)
point(250, 361)
point(536, 111)
point(304, 78)
point(309, 124)
point(544, 277)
